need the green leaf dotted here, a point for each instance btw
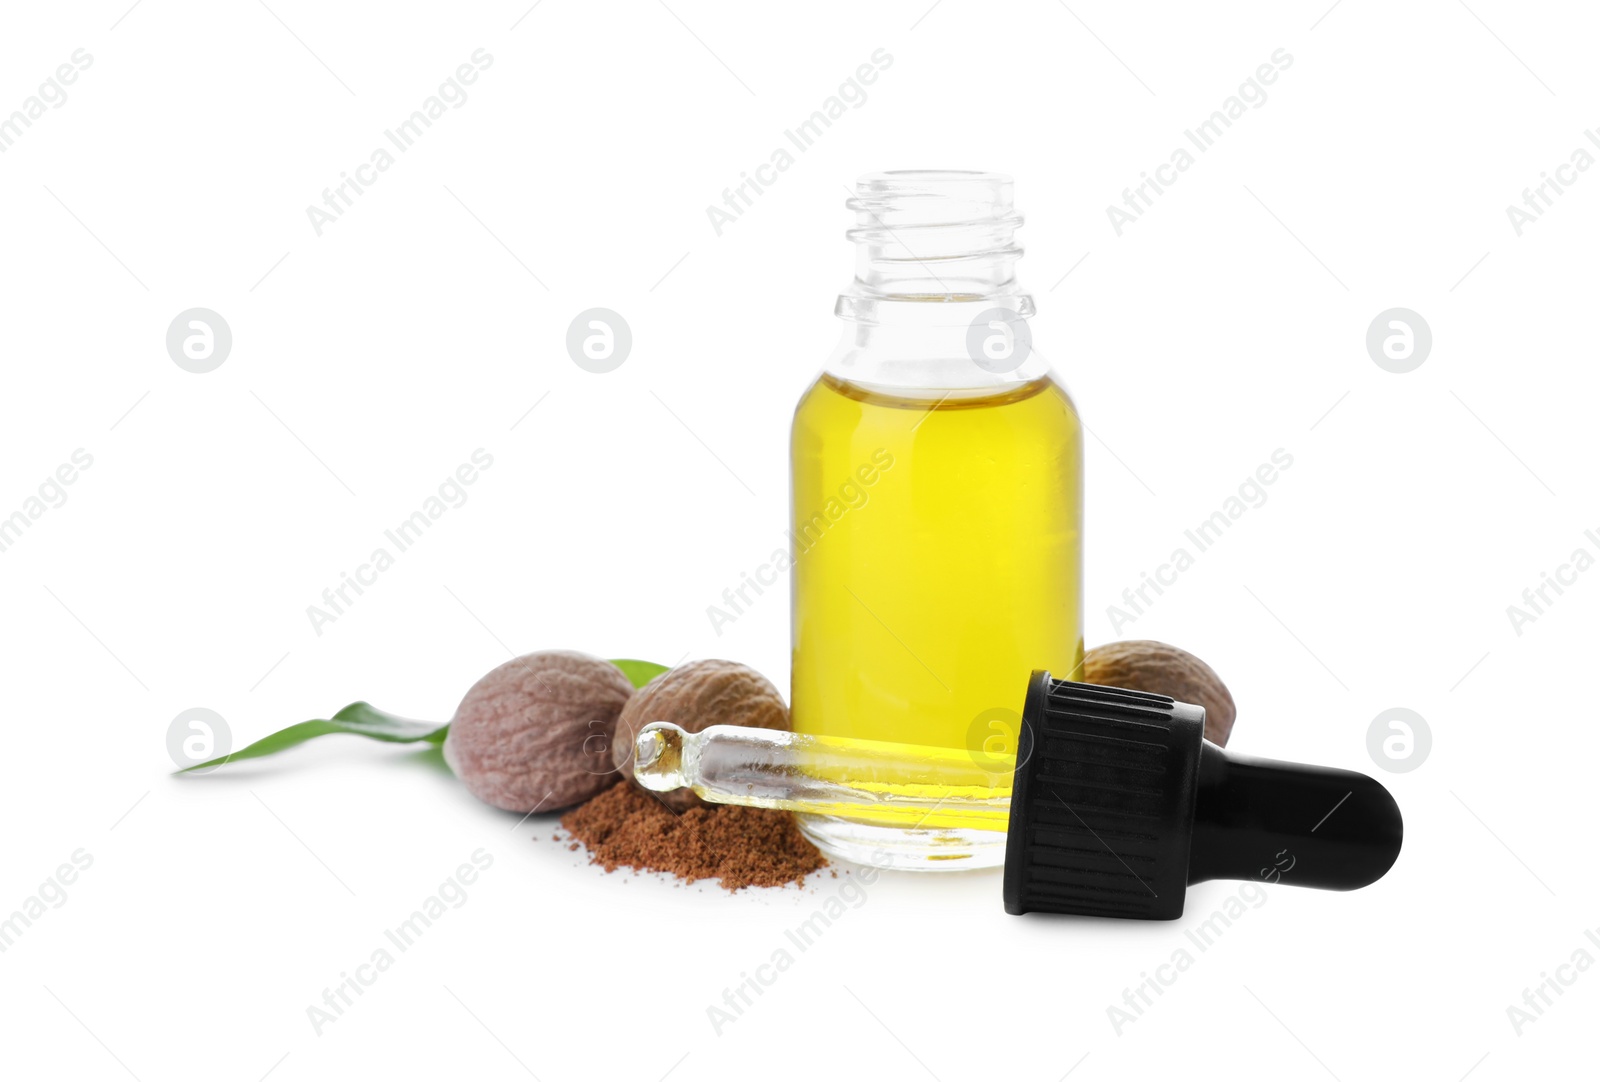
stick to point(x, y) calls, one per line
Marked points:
point(363, 719)
point(640, 672)
point(358, 719)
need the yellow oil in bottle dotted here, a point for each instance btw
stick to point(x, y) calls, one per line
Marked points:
point(938, 559)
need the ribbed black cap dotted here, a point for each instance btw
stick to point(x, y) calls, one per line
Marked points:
point(1102, 805)
point(1119, 802)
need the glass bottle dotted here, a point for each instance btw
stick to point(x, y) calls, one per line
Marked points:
point(936, 505)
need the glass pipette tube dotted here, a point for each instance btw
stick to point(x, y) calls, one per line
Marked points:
point(916, 785)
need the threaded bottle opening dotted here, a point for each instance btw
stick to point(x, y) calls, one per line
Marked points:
point(934, 235)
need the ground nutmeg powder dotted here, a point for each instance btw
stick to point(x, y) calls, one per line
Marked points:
point(625, 827)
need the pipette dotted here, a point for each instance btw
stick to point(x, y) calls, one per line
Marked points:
point(1112, 805)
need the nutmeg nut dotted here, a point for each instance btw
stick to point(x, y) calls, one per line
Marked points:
point(1156, 667)
point(694, 696)
point(535, 733)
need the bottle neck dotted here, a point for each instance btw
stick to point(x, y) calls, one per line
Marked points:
point(936, 253)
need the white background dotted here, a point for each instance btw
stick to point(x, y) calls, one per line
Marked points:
point(369, 362)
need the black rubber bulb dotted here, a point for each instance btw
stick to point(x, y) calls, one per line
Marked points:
point(1312, 826)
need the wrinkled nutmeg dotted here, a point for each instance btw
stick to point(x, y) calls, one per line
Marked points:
point(694, 696)
point(1146, 665)
point(536, 732)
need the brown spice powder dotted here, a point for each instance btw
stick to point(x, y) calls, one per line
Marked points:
point(742, 847)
